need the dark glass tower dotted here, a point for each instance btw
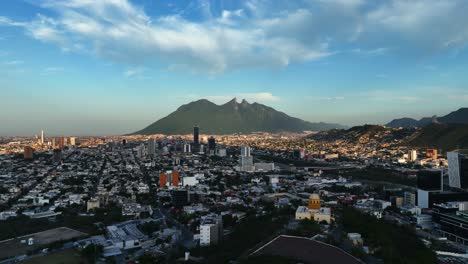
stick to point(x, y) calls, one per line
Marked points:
point(196, 136)
point(211, 143)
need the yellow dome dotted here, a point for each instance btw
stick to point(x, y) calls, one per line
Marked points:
point(314, 202)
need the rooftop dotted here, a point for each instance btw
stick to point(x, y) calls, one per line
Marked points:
point(306, 250)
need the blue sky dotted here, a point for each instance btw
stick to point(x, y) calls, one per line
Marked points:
point(85, 67)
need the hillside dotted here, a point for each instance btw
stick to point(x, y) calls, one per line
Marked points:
point(407, 122)
point(441, 136)
point(456, 117)
point(232, 117)
point(364, 134)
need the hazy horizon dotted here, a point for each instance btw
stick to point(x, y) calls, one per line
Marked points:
point(112, 67)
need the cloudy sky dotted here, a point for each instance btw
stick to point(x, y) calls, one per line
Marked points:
point(114, 66)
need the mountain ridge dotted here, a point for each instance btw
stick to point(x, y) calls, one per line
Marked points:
point(459, 116)
point(231, 117)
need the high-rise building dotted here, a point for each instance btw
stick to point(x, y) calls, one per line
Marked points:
point(42, 137)
point(187, 148)
point(54, 143)
point(162, 180)
point(413, 155)
point(151, 147)
point(211, 230)
point(211, 143)
point(175, 178)
point(457, 169)
point(429, 180)
point(245, 160)
point(73, 141)
point(409, 199)
point(28, 152)
point(245, 151)
point(196, 135)
point(62, 142)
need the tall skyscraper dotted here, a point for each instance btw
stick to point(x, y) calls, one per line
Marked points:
point(245, 160)
point(151, 147)
point(245, 151)
point(187, 148)
point(62, 142)
point(196, 135)
point(73, 141)
point(413, 155)
point(457, 169)
point(42, 137)
point(211, 143)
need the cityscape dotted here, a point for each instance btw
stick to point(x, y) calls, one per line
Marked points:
point(240, 132)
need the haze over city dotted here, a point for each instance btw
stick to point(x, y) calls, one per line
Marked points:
point(114, 66)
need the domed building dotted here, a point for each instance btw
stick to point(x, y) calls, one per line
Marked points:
point(314, 202)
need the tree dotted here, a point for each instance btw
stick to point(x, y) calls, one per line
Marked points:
point(148, 259)
point(91, 252)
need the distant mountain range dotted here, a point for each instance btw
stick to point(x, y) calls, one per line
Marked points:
point(457, 117)
point(444, 137)
point(232, 117)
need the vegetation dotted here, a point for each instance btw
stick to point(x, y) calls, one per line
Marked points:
point(148, 259)
point(443, 136)
point(69, 256)
point(251, 232)
point(23, 225)
point(149, 228)
point(91, 253)
point(231, 117)
point(393, 244)
point(307, 228)
point(380, 174)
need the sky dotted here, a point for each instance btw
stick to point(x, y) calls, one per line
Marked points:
point(86, 67)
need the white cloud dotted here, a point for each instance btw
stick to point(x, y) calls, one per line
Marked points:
point(254, 34)
point(261, 97)
point(119, 31)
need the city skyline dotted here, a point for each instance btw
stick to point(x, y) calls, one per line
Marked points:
point(126, 64)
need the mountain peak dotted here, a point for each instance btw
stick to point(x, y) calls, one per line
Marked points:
point(229, 118)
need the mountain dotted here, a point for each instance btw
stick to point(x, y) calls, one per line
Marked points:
point(407, 122)
point(403, 122)
point(441, 136)
point(232, 117)
point(457, 117)
point(364, 134)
